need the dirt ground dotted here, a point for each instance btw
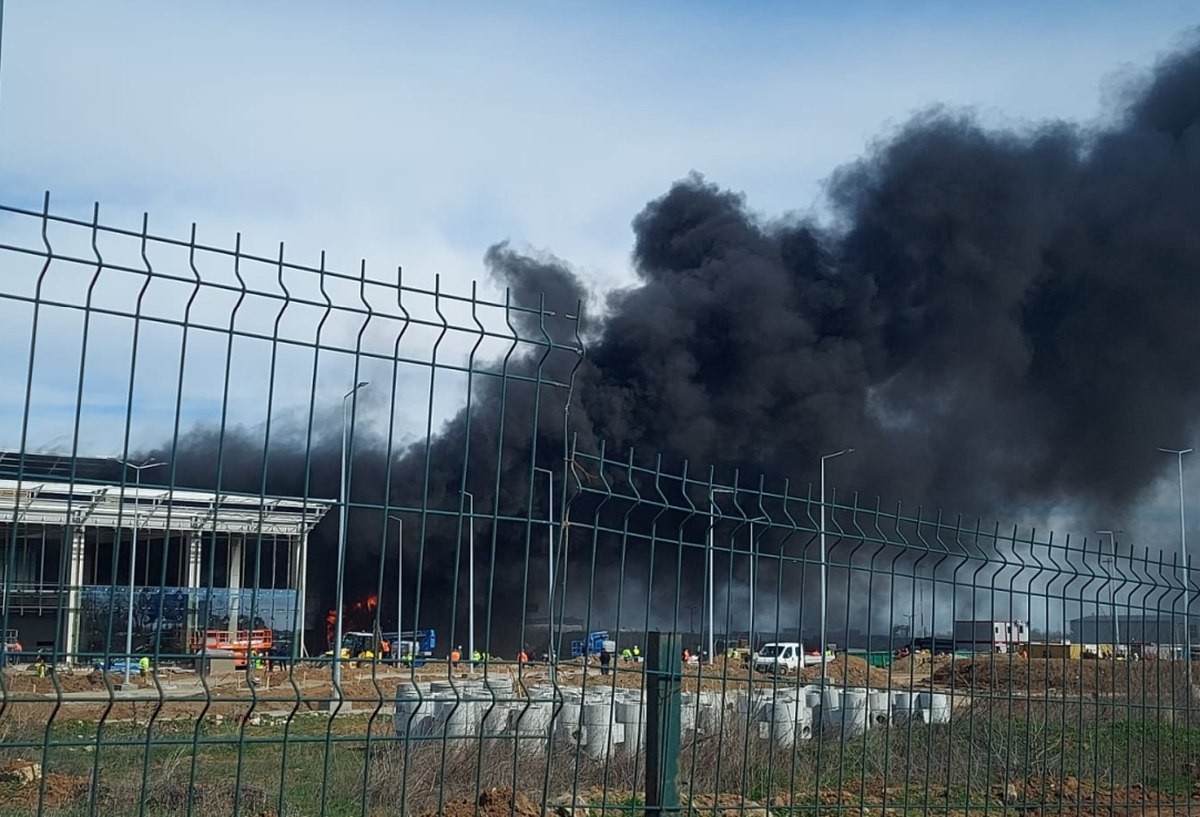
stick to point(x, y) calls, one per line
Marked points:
point(61, 790)
point(1086, 678)
point(1034, 796)
point(491, 803)
point(306, 687)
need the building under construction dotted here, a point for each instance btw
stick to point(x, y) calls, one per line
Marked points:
point(84, 560)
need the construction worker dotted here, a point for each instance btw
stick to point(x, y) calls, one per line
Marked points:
point(41, 666)
point(686, 655)
point(144, 666)
point(605, 659)
point(522, 657)
point(626, 655)
point(637, 653)
point(455, 656)
point(476, 658)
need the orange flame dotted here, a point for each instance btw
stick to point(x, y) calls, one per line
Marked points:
point(330, 625)
point(357, 615)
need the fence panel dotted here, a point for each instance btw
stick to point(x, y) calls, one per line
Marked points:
point(280, 538)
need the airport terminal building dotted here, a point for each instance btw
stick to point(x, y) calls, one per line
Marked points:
point(73, 550)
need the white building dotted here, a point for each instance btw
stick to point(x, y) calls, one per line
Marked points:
point(198, 560)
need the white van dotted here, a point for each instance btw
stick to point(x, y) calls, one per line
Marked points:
point(778, 657)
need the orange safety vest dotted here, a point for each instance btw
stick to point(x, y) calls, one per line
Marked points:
point(454, 656)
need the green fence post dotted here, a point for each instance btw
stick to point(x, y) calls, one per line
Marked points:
point(663, 686)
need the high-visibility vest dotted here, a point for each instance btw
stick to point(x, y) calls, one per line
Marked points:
point(476, 657)
point(454, 656)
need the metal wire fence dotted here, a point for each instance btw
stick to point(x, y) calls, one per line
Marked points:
point(281, 539)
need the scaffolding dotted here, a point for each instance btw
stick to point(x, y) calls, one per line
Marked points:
point(80, 515)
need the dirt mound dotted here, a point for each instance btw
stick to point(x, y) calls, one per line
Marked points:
point(26, 682)
point(61, 790)
point(848, 670)
point(726, 805)
point(1090, 678)
point(491, 803)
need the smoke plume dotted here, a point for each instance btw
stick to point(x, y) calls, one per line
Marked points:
point(996, 319)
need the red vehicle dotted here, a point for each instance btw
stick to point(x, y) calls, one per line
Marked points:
point(240, 643)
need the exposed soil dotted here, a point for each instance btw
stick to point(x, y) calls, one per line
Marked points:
point(305, 688)
point(848, 670)
point(61, 790)
point(491, 803)
point(1033, 796)
point(1091, 678)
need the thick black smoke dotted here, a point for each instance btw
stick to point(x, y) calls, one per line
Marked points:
point(995, 319)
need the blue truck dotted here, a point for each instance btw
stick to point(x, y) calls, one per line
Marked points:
point(412, 646)
point(592, 645)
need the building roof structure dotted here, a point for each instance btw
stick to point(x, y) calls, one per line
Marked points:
point(34, 501)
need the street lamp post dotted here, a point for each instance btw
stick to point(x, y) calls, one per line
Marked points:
point(399, 589)
point(1187, 633)
point(133, 558)
point(712, 506)
point(549, 563)
point(753, 576)
point(824, 567)
point(470, 580)
point(341, 561)
point(1116, 627)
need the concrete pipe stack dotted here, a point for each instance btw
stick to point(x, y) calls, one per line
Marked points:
point(631, 715)
point(600, 731)
point(604, 719)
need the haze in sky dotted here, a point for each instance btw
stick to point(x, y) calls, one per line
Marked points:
point(421, 135)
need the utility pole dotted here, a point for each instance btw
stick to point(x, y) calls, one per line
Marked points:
point(1116, 625)
point(824, 558)
point(549, 565)
point(399, 588)
point(713, 511)
point(471, 580)
point(347, 454)
point(133, 557)
point(1187, 593)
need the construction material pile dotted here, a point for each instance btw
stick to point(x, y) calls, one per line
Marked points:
point(601, 720)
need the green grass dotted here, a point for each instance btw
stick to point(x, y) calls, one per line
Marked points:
point(930, 767)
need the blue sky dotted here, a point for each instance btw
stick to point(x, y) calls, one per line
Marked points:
point(422, 134)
